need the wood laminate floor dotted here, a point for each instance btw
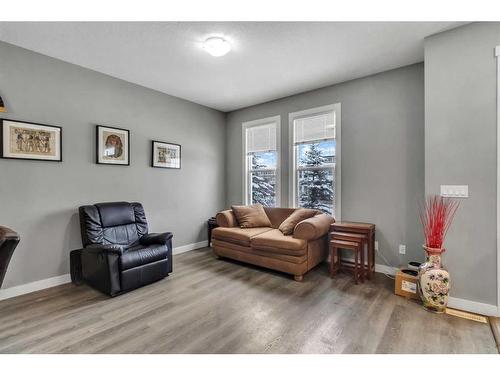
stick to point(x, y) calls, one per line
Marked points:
point(495, 327)
point(219, 306)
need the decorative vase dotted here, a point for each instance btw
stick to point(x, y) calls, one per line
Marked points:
point(433, 281)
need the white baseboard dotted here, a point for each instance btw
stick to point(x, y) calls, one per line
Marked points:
point(388, 270)
point(380, 268)
point(63, 279)
point(34, 286)
point(189, 247)
point(475, 307)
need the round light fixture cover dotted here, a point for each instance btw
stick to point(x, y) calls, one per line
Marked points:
point(217, 46)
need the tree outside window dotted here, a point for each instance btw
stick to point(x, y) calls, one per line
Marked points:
point(263, 175)
point(316, 176)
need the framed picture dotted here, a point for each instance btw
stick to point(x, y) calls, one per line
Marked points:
point(30, 141)
point(112, 145)
point(166, 155)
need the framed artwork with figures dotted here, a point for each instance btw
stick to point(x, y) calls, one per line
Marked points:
point(165, 155)
point(30, 141)
point(112, 145)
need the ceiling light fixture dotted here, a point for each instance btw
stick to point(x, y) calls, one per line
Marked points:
point(216, 46)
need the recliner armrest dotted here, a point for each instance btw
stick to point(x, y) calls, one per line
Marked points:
point(156, 238)
point(100, 267)
point(314, 227)
point(99, 248)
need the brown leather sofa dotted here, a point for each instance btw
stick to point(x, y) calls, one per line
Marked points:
point(268, 247)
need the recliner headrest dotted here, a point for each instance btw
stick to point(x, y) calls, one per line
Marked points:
point(116, 213)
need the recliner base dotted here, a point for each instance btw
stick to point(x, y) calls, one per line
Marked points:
point(142, 275)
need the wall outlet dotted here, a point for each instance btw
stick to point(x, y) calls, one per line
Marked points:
point(376, 245)
point(402, 249)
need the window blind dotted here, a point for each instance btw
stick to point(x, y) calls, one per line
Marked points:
point(314, 128)
point(261, 138)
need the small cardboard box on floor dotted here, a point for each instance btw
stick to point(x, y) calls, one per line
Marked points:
point(406, 284)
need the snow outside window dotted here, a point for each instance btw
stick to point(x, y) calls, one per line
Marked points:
point(261, 159)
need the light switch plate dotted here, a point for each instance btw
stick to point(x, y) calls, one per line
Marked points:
point(455, 191)
point(402, 249)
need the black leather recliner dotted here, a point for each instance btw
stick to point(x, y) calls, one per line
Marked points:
point(119, 254)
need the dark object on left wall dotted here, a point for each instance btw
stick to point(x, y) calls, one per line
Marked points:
point(118, 253)
point(2, 106)
point(8, 242)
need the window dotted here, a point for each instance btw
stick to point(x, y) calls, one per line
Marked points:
point(261, 159)
point(315, 155)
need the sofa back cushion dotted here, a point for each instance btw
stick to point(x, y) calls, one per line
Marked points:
point(252, 216)
point(277, 215)
point(288, 225)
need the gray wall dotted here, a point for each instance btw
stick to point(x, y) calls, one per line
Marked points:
point(40, 199)
point(460, 148)
point(382, 152)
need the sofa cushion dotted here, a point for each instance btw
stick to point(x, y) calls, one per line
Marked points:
point(140, 255)
point(240, 236)
point(252, 216)
point(262, 261)
point(288, 225)
point(276, 242)
point(218, 245)
point(277, 215)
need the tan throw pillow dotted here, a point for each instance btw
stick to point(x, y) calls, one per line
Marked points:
point(251, 216)
point(291, 221)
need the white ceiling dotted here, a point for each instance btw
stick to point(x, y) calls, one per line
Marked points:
point(269, 60)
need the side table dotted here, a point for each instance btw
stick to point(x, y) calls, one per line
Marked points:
point(211, 224)
point(366, 229)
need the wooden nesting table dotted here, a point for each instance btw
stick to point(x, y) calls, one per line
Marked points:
point(366, 229)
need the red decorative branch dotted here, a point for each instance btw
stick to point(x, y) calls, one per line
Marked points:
point(436, 217)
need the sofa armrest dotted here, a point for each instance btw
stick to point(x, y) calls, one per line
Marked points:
point(108, 249)
point(156, 238)
point(226, 219)
point(314, 227)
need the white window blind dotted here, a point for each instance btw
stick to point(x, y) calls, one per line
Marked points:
point(261, 138)
point(313, 128)
point(315, 156)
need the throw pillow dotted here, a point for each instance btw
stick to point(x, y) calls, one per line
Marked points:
point(291, 221)
point(251, 216)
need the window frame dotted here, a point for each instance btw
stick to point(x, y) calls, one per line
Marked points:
point(292, 176)
point(246, 171)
